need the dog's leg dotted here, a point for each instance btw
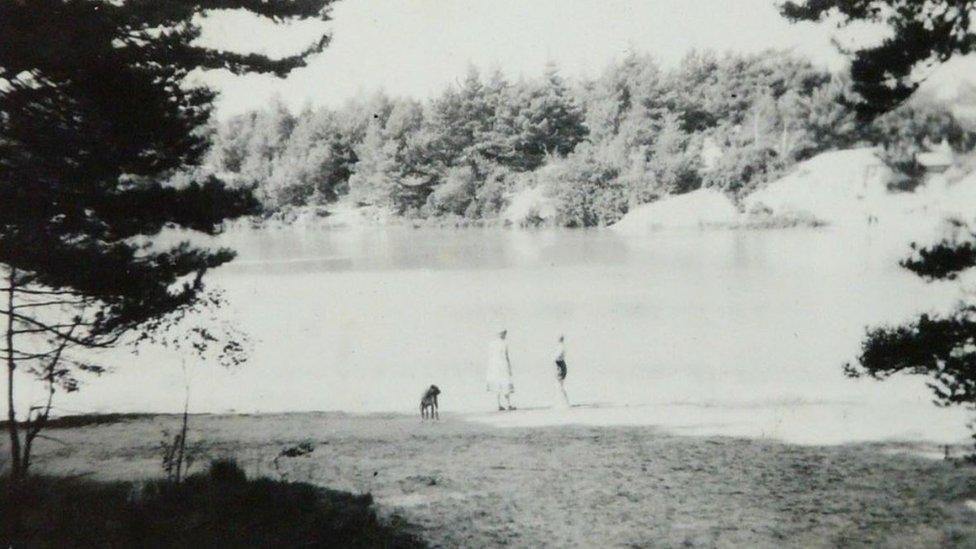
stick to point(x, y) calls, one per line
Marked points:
point(436, 414)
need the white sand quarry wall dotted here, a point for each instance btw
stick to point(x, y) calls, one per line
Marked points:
point(701, 208)
point(836, 187)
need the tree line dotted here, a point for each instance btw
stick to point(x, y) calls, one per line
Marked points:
point(599, 147)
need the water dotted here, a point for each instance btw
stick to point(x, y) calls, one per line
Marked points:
point(365, 319)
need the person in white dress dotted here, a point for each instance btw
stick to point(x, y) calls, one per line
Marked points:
point(499, 375)
point(559, 357)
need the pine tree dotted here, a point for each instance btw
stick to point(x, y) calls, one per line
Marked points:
point(461, 118)
point(623, 88)
point(548, 122)
point(95, 118)
point(828, 121)
point(939, 347)
point(675, 159)
point(492, 141)
point(313, 166)
point(922, 33)
point(375, 177)
point(269, 137)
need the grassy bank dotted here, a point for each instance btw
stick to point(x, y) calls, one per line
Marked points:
point(467, 484)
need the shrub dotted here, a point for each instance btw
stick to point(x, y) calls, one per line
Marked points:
point(587, 190)
point(226, 471)
point(741, 170)
point(491, 196)
point(219, 509)
point(456, 191)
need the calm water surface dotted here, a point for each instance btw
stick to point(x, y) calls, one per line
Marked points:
point(364, 320)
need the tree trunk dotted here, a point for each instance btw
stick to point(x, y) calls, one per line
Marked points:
point(184, 428)
point(15, 463)
point(181, 451)
point(34, 426)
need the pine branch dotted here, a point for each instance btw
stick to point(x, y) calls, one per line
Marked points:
point(55, 330)
point(22, 290)
point(25, 356)
point(59, 302)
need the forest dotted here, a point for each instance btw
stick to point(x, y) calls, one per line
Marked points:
point(595, 148)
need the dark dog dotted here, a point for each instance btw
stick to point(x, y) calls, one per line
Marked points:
point(428, 404)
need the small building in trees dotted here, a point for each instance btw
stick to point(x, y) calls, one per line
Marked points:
point(936, 160)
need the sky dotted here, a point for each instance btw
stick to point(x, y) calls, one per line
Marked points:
point(416, 47)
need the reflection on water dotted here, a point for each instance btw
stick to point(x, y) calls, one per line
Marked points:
point(363, 320)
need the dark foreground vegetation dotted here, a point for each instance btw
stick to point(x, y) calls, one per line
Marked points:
point(221, 508)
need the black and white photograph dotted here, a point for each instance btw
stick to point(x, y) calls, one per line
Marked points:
point(496, 273)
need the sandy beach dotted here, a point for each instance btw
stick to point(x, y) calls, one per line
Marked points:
point(470, 481)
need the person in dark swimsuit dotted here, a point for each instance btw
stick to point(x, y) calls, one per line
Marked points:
point(560, 358)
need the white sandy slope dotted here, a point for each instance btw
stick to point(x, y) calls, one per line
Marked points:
point(838, 187)
point(701, 208)
point(847, 187)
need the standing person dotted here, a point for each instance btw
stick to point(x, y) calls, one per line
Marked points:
point(500, 370)
point(560, 358)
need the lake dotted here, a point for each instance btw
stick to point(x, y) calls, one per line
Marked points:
point(364, 320)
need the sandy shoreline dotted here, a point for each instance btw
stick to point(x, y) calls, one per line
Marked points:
point(468, 483)
point(793, 422)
